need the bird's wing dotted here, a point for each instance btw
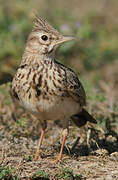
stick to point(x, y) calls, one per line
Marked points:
point(72, 85)
point(75, 88)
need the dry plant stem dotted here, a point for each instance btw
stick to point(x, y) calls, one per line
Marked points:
point(61, 150)
point(37, 155)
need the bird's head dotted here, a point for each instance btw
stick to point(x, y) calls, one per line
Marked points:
point(44, 39)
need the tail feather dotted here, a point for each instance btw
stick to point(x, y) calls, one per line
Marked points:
point(81, 118)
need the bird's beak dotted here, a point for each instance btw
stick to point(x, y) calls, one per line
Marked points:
point(64, 39)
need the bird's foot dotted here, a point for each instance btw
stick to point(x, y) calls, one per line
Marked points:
point(58, 160)
point(37, 157)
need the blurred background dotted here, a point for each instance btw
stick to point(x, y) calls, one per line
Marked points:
point(94, 56)
point(94, 23)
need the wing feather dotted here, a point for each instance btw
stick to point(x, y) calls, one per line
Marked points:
point(72, 85)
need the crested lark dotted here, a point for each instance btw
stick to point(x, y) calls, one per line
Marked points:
point(45, 87)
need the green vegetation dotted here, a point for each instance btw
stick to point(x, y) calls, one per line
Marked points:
point(21, 123)
point(28, 158)
point(67, 173)
point(7, 173)
point(41, 174)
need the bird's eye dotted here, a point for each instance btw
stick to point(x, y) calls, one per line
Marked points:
point(44, 38)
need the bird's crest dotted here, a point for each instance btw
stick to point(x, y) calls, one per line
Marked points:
point(40, 23)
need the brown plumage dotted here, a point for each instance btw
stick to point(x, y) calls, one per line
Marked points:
point(45, 87)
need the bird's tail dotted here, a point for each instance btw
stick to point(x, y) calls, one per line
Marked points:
point(81, 118)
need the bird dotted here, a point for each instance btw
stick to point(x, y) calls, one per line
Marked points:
point(46, 88)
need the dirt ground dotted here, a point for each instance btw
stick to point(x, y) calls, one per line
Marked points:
point(81, 162)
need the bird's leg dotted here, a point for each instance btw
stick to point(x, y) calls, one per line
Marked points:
point(64, 133)
point(37, 154)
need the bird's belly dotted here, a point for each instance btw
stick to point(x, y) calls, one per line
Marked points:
point(58, 108)
point(53, 109)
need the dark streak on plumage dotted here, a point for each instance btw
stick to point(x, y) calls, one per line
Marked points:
point(45, 95)
point(40, 80)
point(50, 77)
point(38, 91)
point(52, 92)
point(27, 77)
point(22, 76)
point(19, 75)
point(58, 70)
point(24, 83)
point(54, 75)
point(27, 89)
point(37, 87)
point(22, 66)
point(59, 81)
point(50, 65)
point(46, 86)
point(55, 84)
point(34, 76)
point(15, 94)
point(45, 83)
point(46, 71)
